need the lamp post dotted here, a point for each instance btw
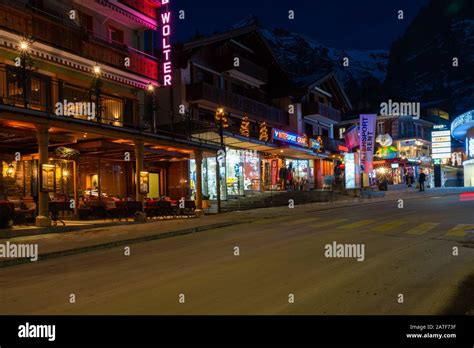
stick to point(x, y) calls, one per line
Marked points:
point(151, 91)
point(24, 47)
point(222, 123)
point(97, 90)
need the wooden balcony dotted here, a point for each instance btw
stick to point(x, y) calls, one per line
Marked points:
point(246, 106)
point(246, 67)
point(55, 33)
point(317, 108)
point(142, 6)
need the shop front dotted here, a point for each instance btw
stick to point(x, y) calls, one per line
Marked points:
point(239, 174)
point(462, 129)
point(302, 164)
point(401, 171)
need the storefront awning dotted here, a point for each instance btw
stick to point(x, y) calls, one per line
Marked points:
point(297, 152)
point(237, 141)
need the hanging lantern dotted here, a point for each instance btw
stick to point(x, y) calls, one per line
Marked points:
point(263, 132)
point(245, 127)
point(11, 171)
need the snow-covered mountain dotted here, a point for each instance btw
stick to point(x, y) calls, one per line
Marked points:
point(421, 65)
point(302, 55)
point(418, 67)
point(305, 58)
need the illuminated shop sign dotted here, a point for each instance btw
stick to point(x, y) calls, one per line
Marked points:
point(166, 47)
point(289, 137)
point(441, 155)
point(441, 133)
point(342, 148)
point(440, 150)
point(466, 118)
point(440, 142)
point(441, 139)
point(314, 144)
point(367, 141)
point(352, 170)
point(470, 147)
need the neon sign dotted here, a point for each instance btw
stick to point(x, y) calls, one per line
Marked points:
point(166, 48)
point(289, 137)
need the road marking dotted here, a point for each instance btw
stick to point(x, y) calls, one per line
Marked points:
point(356, 224)
point(460, 230)
point(422, 228)
point(388, 226)
point(273, 220)
point(328, 223)
point(301, 221)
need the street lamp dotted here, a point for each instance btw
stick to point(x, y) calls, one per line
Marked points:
point(97, 70)
point(97, 84)
point(151, 91)
point(222, 123)
point(24, 45)
point(25, 60)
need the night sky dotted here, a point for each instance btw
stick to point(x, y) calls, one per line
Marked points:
point(364, 24)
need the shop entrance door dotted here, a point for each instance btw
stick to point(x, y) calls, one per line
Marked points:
point(154, 186)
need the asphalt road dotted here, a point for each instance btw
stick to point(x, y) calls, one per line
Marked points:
point(408, 251)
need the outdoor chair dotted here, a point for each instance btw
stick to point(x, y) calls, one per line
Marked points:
point(133, 207)
point(57, 207)
point(7, 214)
point(188, 210)
point(165, 209)
point(151, 209)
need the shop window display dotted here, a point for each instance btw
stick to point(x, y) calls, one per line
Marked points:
point(299, 174)
point(241, 172)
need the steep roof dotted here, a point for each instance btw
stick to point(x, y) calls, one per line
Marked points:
point(233, 33)
point(310, 82)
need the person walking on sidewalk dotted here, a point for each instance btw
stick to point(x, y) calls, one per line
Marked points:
point(421, 181)
point(409, 179)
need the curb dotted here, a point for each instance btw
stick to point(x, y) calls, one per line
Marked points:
point(108, 245)
point(8, 233)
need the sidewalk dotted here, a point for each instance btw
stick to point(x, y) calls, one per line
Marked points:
point(52, 245)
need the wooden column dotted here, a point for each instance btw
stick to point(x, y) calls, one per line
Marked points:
point(42, 134)
point(76, 195)
point(198, 159)
point(139, 151)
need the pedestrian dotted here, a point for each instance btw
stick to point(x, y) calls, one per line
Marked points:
point(421, 181)
point(408, 179)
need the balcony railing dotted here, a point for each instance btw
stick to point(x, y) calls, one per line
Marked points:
point(54, 31)
point(246, 67)
point(220, 97)
point(317, 108)
point(141, 6)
